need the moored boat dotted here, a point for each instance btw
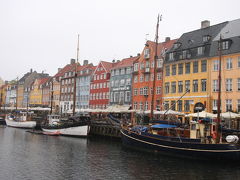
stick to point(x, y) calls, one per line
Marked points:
point(20, 120)
point(75, 126)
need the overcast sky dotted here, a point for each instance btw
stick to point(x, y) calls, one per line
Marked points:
point(42, 34)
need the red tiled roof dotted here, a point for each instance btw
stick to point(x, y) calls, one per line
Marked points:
point(108, 65)
point(43, 80)
point(67, 68)
point(126, 62)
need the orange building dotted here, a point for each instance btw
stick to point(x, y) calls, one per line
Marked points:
point(143, 76)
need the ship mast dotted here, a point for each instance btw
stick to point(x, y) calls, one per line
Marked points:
point(16, 104)
point(51, 97)
point(75, 79)
point(219, 91)
point(155, 66)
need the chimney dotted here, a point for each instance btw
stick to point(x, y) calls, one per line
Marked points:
point(85, 62)
point(131, 56)
point(138, 54)
point(31, 70)
point(113, 60)
point(59, 69)
point(72, 61)
point(167, 39)
point(205, 24)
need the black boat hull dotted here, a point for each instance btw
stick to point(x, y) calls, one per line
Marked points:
point(144, 141)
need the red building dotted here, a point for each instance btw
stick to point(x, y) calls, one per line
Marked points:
point(99, 88)
point(143, 76)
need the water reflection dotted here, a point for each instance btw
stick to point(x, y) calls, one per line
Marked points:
point(27, 156)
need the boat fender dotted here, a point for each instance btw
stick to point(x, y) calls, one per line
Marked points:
point(232, 139)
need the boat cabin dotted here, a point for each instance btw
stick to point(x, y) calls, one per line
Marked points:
point(204, 129)
point(53, 119)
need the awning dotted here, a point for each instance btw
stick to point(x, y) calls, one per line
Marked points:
point(163, 126)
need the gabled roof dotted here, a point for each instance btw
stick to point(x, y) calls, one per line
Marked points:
point(67, 68)
point(43, 80)
point(108, 65)
point(229, 32)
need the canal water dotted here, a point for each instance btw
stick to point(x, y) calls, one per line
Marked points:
point(30, 156)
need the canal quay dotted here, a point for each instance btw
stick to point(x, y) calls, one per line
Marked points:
point(25, 155)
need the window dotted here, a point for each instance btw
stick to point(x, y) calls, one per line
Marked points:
point(195, 67)
point(135, 68)
point(166, 105)
point(216, 65)
point(146, 106)
point(141, 91)
point(215, 85)
point(158, 91)
point(141, 106)
point(135, 105)
point(146, 53)
point(195, 85)
point(173, 88)
point(128, 81)
point(128, 70)
point(206, 38)
point(142, 66)
point(229, 63)
point(121, 98)
point(174, 69)
point(159, 63)
point(146, 77)
point(135, 79)
point(173, 105)
point(167, 88)
point(187, 85)
point(238, 105)
point(228, 84)
point(167, 70)
point(204, 66)
point(238, 84)
point(116, 72)
point(184, 54)
point(122, 82)
point(180, 105)
point(135, 91)
point(159, 77)
point(141, 78)
point(200, 50)
point(187, 105)
point(122, 71)
point(187, 68)
point(204, 85)
point(147, 64)
point(180, 86)
point(238, 62)
point(145, 91)
point(225, 45)
point(116, 97)
point(171, 57)
point(116, 83)
point(215, 104)
point(180, 68)
point(228, 105)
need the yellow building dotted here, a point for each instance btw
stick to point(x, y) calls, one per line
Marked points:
point(36, 93)
point(187, 68)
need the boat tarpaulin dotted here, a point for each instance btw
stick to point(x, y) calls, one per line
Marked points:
point(163, 126)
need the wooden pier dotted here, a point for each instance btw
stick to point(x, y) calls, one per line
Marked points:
point(105, 128)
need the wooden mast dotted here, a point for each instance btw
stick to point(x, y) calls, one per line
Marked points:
point(75, 79)
point(51, 97)
point(155, 66)
point(16, 104)
point(219, 91)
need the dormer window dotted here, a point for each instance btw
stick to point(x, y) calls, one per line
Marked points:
point(184, 54)
point(206, 38)
point(171, 57)
point(147, 53)
point(200, 50)
point(176, 45)
point(225, 45)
